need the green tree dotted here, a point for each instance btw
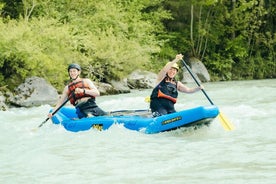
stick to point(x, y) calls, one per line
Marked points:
point(11, 8)
point(108, 44)
point(110, 39)
point(228, 36)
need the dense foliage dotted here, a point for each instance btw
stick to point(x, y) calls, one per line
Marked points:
point(111, 38)
point(235, 39)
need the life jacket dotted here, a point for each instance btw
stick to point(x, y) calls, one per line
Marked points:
point(71, 88)
point(165, 90)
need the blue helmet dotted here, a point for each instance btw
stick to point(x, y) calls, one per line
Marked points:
point(74, 65)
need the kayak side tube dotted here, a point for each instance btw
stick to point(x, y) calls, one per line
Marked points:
point(202, 115)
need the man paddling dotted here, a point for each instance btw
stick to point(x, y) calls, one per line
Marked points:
point(82, 94)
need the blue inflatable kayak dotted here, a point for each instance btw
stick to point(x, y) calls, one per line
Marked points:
point(197, 116)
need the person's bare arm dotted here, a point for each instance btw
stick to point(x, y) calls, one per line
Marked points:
point(182, 88)
point(91, 91)
point(60, 101)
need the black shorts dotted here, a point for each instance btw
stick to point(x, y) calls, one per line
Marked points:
point(89, 108)
point(161, 106)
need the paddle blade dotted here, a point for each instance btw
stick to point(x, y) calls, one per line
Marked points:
point(227, 125)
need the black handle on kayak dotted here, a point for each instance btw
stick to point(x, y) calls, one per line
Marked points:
point(187, 67)
point(128, 111)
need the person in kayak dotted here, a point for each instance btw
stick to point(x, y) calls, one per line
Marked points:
point(164, 95)
point(81, 93)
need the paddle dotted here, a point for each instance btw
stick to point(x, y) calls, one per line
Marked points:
point(56, 110)
point(227, 125)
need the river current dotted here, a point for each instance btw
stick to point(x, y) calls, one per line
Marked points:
point(209, 155)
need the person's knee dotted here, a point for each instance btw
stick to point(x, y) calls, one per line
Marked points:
point(98, 112)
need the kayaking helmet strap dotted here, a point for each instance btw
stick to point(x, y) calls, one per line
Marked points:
point(74, 78)
point(76, 66)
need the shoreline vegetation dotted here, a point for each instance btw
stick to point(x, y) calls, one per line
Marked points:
point(235, 40)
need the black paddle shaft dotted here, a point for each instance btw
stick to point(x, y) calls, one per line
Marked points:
point(56, 110)
point(187, 67)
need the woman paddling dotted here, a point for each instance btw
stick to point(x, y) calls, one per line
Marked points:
point(164, 95)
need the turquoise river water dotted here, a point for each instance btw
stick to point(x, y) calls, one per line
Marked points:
point(210, 155)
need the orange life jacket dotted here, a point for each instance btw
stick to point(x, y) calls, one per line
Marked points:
point(71, 89)
point(162, 95)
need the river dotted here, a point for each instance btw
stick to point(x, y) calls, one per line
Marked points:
point(208, 155)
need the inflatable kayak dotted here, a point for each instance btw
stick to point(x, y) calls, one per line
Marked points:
point(198, 116)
